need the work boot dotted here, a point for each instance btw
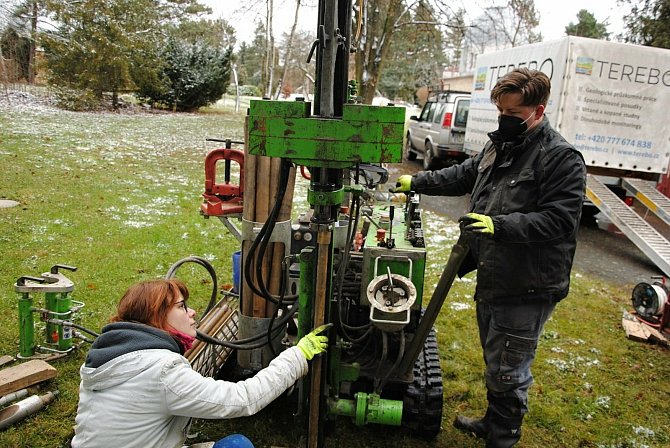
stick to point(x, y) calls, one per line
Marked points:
point(477, 426)
point(503, 432)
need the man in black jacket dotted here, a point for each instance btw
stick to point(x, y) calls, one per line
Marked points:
point(527, 188)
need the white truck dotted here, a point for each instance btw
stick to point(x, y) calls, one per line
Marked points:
point(610, 100)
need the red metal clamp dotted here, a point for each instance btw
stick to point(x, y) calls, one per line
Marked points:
point(226, 198)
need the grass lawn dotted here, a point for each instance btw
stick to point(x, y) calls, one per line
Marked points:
point(117, 195)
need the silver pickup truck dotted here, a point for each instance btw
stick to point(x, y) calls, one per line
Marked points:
point(439, 131)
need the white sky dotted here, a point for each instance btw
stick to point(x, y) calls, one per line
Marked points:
point(555, 15)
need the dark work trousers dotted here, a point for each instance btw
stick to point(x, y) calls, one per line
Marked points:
point(509, 335)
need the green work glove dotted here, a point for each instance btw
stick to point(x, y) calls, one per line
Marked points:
point(474, 222)
point(403, 184)
point(312, 344)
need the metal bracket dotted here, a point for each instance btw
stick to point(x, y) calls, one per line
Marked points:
point(280, 234)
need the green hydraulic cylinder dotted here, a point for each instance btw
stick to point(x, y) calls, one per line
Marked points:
point(26, 326)
point(368, 408)
point(59, 306)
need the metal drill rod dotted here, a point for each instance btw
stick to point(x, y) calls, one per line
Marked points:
point(322, 274)
point(331, 84)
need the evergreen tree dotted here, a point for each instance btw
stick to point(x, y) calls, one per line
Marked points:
point(416, 57)
point(16, 47)
point(194, 74)
point(455, 38)
point(648, 23)
point(19, 35)
point(251, 59)
point(96, 43)
point(115, 45)
point(587, 26)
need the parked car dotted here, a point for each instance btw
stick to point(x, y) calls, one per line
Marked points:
point(439, 131)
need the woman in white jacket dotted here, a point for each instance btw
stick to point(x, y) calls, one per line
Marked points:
point(137, 390)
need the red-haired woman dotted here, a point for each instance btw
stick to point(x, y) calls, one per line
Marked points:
point(137, 390)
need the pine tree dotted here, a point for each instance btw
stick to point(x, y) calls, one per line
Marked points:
point(416, 57)
point(587, 26)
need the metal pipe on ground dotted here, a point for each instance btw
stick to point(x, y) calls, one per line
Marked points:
point(25, 408)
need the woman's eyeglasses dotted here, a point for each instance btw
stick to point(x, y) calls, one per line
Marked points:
point(182, 304)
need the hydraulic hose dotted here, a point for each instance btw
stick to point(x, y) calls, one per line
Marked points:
point(241, 344)
point(261, 242)
point(66, 323)
point(282, 288)
point(207, 265)
point(246, 343)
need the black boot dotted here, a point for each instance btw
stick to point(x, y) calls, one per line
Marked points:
point(477, 426)
point(503, 432)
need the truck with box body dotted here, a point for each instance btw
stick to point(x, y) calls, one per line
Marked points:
point(609, 100)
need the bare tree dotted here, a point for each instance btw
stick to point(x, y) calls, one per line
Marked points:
point(376, 20)
point(270, 48)
point(267, 16)
point(289, 48)
point(500, 27)
point(513, 24)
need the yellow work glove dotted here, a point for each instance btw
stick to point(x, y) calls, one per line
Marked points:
point(403, 184)
point(474, 222)
point(312, 344)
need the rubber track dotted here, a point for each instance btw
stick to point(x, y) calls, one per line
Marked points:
point(422, 403)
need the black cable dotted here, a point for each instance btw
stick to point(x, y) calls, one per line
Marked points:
point(344, 261)
point(67, 323)
point(282, 289)
point(283, 181)
point(244, 344)
point(207, 265)
point(240, 344)
point(263, 239)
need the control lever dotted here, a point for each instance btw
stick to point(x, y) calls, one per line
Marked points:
point(390, 241)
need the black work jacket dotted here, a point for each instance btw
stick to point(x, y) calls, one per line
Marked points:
point(533, 190)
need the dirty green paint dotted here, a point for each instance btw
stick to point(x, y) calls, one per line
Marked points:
point(364, 134)
point(325, 197)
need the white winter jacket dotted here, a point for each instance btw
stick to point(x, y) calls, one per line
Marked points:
point(145, 398)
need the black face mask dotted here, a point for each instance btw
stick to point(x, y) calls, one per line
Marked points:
point(511, 127)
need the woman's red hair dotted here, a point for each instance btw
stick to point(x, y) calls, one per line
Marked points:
point(148, 302)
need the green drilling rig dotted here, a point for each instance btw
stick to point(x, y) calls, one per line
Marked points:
point(356, 259)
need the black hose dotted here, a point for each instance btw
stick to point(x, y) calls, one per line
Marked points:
point(282, 288)
point(344, 261)
point(67, 323)
point(240, 344)
point(396, 363)
point(244, 344)
point(207, 265)
point(263, 240)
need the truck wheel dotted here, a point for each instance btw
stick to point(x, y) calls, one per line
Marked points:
point(409, 150)
point(428, 157)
